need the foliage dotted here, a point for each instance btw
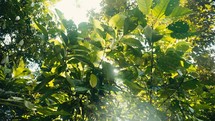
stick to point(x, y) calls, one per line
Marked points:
point(136, 60)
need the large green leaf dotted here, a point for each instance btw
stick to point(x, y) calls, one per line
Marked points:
point(172, 4)
point(136, 13)
point(182, 46)
point(170, 61)
point(180, 11)
point(132, 42)
point(117, 20)
point(129, 25)
point(151, 35)
point(144, 6)
point(160, 8)
point(134, 18)
point(156, 36)
point(109, 30)
point(179, 27)
point(179, 30)
point(148, 32)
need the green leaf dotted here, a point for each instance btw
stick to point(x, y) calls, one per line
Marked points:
point(48, 93)
point(84, 60)
point(97, 25)
point(134, 51)
point(179, 27)
point(179, 30)
point(130, 73)
point(93, 80)
point(148, 32)
point(69, 25)
point(191, 84)
point(69, 80)
point(136, 13)
point(182, 46)
point(64, 37)
point(156, 36)
point(172, 4)
point(180, 11)
point(108, 71)
point(129, 25)
point(60, 14)
point(160, 8)
point(44, 81)
point(151, 35)
point(117, 20)
point(144, 6)
point(81, 89)
point(84, 29)
point(48, 112)
point(133, 85)
point(72, 35)
point(43, 29)
point(97, 45)
point(29, 105)
point(132, 42)
point(170, 61)
point(109, 30)
point(21, 70)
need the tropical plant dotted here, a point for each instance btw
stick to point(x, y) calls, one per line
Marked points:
point(135, 60)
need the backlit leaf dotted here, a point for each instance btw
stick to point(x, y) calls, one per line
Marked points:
point(93, 80)
point(117, 20)
point(144, 6)
point(21, 70)
point(180, 11)
point(172, 4)
point(182, 46)
point(29, 105)
point(160, 8)
point(131, 42)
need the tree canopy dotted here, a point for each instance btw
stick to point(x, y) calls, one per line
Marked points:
point(150, 60)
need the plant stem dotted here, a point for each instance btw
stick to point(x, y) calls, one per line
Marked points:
point(151, 72)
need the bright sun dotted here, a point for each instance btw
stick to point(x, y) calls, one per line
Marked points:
point(77, 9)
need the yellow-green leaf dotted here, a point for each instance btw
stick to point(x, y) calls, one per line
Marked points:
point(117, 20)
point(21, 70)
point(160, 8)
point(180, 11)
point(144, 6)
point(93, 80)
point(29, 105)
